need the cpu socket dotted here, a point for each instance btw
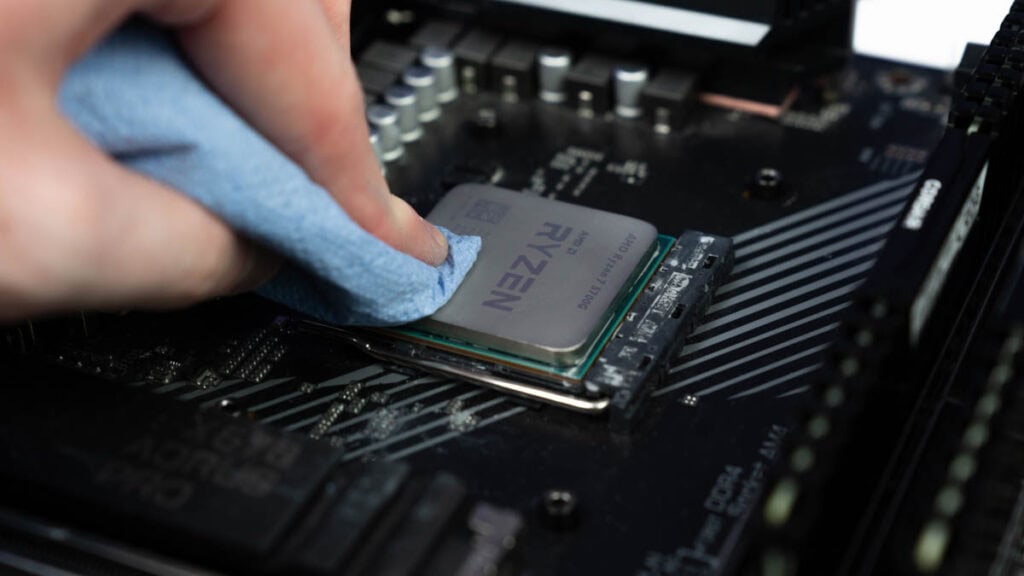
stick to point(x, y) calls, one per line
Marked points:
point(566, 304)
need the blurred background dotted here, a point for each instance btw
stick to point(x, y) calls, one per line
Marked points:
point(926, 32)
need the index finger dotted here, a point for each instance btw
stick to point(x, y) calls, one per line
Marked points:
point(282, 67)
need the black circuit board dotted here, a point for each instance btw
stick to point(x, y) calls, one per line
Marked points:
point(669, 497)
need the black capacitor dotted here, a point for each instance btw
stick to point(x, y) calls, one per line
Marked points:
point(388, 56)
point(374, 80)
point(667, 97)
point(589, 85)
point(436, 32)
point(473, 58)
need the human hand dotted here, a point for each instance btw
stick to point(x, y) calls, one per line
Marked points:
point(78, 230)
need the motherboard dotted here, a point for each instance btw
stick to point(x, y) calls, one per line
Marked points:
point(796, 429)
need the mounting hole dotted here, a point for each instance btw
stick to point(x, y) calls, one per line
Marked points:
point(767, 184)
point(678, 311)
point(559, 507)
point(710, 261)
point(645, 361)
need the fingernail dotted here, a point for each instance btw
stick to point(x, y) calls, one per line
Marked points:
point(440, 251)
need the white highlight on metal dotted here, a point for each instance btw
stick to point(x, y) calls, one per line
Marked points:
point(237, 394)
point(30, 566)
point(664, 18)
point(802, 260)
point(415, 431)
point(772, 243)
point(797, 390)
point(897, 197)
point(348, 422)
point(753, 373)
point(761, 336)
point(806, 274)
point(887, 218)
point(449, 435)
point(855, 272)
point(362, 373)
point(785, 313)
point(379, 380)
point(405, 402)
point(776, 382)
point(432, 410)
point(320, 399)
point(324, 399)
point(825, 207)
point(690, 351)
point(760, 354)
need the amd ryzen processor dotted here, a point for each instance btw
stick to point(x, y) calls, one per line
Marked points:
point(550, 275)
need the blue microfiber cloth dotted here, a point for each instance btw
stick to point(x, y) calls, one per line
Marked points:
point(135, 97)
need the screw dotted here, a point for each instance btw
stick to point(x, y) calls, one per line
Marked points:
point(560, 508)
point(767, 184)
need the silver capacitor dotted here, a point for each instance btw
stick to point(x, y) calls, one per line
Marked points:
point(553, 65)
point(385, 119)
point(423, 81)
point(442, 61)
point(403, 99)
point(630, 80)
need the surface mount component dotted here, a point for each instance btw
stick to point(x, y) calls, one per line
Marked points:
point(513, 67)
point(667, 97)
point(436, 33)
point(589, 85)
point(473, 54)
point(388, 56)
point(374, 80)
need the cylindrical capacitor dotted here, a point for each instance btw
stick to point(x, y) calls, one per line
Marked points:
point(422, 80)
point(385, 119)
point(554, 64)
point(403, 99)
point(442, 62)
point(630, 80)
point(375, 144)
